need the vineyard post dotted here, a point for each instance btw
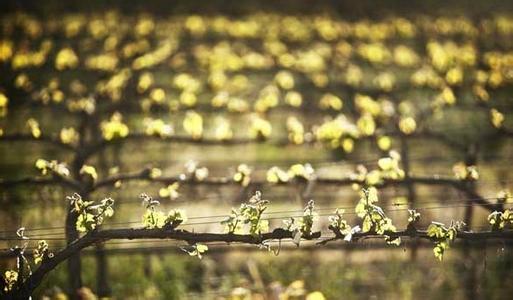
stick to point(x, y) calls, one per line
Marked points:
point(86, 129)
point(412, 195)
point(74, 263)
point(102, 262)
point(470, 276)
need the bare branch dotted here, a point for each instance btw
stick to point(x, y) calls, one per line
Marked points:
point(95, 147)
point(20, 137)
point(460, 185)
point(25, 288)
point(28, 181)
point(412, 233)
point(55, 179)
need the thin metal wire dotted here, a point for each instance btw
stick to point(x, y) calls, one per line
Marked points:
point(42, 236)
point(332, 208)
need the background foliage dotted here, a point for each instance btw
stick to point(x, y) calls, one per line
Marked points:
point(332, 84)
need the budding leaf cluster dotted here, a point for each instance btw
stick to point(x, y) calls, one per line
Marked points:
point(243, 175)
point(302, 226)
point(298, 171)
point(90, 215)
point(196, 250)
point(156, 219)
point(41, 252)
point(499, 220)
point(114, 128)
point(442, 236)
point(10, 279)
point(388, 169)
point(46, 167)
point(340, 225)
point(373, 217)
point(249, 215)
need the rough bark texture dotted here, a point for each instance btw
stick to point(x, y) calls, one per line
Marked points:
point(24, 289)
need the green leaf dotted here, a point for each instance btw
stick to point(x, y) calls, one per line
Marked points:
point(393, 241)
point(10, 278)
point(40, 252)
point(196, 250)
point(367, 224)
point(153, 219)
point(201, 248)
point(439, 252)
point(85, 222)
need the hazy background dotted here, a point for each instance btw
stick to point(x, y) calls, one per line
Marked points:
point(366, 270)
